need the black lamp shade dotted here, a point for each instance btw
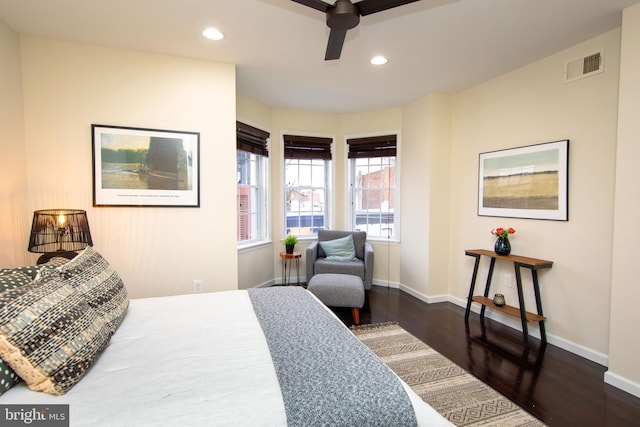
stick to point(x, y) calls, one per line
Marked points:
point(59, 231)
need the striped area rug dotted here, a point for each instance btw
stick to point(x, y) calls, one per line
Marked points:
point(457, 395)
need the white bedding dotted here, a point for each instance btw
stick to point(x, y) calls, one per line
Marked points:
point(189, 360)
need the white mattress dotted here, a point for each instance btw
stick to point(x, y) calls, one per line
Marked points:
point(189, 360)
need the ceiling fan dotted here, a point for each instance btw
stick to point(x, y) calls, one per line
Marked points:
point(345, 15)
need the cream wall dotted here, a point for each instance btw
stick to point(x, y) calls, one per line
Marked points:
point(67, 87)
point(15, 221)
point(624, 341)
point(531, 105)
point(425, 194)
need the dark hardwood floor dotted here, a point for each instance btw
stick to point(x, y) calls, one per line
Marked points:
point(554, 385)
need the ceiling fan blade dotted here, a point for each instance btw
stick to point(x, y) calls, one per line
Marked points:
point(367, 7)
point(315, 4)
point(334, 47)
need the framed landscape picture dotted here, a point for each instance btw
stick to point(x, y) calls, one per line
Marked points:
point(525, 182)
point(145, 167)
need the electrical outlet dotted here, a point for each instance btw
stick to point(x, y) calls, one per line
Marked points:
point(197, 286)
point(507, 279)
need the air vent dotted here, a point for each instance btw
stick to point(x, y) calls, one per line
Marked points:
point(585, 66)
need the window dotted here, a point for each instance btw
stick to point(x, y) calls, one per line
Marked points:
point(307, 170)
point(374, 196)
point(252, 156)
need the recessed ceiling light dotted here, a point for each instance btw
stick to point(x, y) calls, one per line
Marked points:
point(213, 34)
point(379, 60)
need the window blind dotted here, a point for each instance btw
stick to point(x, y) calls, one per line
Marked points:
point(374, 146)
point(307, 147)
point(251, 139)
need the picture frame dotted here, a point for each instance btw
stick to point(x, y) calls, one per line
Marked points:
point(145, 167)
point(525, 182)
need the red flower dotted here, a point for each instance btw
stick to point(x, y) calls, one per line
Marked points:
point(503, 232)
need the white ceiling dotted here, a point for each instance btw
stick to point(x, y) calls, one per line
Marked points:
point(278, 46)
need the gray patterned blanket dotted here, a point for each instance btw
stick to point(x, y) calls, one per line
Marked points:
point(327, 377)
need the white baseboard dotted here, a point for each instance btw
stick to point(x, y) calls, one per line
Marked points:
point(423, 297)
point(267, 284)
point(385, 284)
point(534, 331)
point(622, 383)
point(412, 292)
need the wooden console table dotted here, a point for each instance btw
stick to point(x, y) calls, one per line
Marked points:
point(519, 312)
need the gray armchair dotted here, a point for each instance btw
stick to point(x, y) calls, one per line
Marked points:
point(362, 266)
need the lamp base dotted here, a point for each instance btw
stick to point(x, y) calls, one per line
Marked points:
point(45, 257)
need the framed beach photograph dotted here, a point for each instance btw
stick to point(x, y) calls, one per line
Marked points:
point(145, 167)
point(525, 182)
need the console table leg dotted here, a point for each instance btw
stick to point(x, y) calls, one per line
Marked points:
point(486, 288)
point(523, 311)
point(536, 291)
point(471, 288)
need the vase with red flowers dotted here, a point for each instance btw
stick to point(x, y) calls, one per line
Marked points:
point(502, 246)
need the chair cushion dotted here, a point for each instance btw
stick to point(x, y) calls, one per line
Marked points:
point(354, 268)
point(339, 249)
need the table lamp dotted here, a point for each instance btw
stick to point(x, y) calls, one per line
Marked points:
point(59, 233)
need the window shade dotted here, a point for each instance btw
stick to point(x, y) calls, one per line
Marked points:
point(375, 146)
point(307, 147)
point(251, 139)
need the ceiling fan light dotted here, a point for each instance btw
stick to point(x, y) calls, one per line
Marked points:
point(379, 60)
point(213, 34)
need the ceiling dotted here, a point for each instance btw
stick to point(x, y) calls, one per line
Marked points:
point(278, 46)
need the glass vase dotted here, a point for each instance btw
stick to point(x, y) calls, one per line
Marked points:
point(502, 247)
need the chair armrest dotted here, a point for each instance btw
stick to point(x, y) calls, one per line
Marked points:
point(368, 265)
point(310, 254)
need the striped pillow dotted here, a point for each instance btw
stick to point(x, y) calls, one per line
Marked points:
point(11, 278)
point(49, 335)
point(101, 286)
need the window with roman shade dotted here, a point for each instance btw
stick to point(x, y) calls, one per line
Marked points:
point(307, 162)
point(373, 173)
point(252, 151)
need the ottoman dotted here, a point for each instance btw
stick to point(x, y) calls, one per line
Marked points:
point(339, 290)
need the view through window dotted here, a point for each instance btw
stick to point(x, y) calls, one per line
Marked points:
point(373, 183)
point(307, 170)
point(251, 163)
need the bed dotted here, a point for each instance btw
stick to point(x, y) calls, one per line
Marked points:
point(259, 357)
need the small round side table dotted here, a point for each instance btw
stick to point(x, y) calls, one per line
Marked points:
point(288, 258)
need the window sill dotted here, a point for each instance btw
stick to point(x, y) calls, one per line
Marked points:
point(379, 241)
point(253, 246)
point(375, 241)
